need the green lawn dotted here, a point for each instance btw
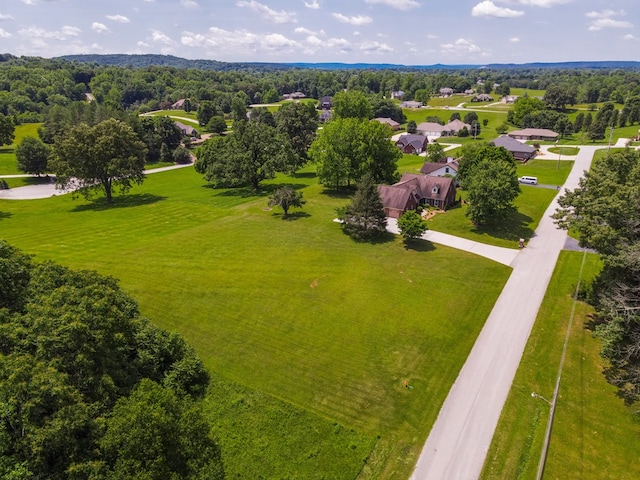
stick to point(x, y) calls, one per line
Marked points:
point(8, 164)
point(594, 434)
point(565, 150)
point(452, 101)
point(309, 335)
point(531, 204)
point(193, 115)
point(549, 172)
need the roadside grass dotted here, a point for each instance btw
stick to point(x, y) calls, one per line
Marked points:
point(549, 172)
point(565, 150)
point(193, 115)
point(530, 205)
point(452, 101)
point(594, 434)
point(603, 153)
point(8, 162)
point(309, 335)
point(532, 93)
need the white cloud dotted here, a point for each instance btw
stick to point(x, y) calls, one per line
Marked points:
point(306, 31)
point(269, 13)
point(118, 18)
point(189, 3)
point(460, 46)
point(357, 20)
point(489, 9)
point(5, 16)
point(4, 34)
point(630, 36)
point(70, 31)
point(36, 32)
point(29, 2)
point(141, 43)
point(432, 36)
point(314, 5)
point(399, 4)
point(99, 27)
point(604, 19)
point(339, 43)
point(514, 40)
point(158, 37)
point(238, 41)
point(375, 47)
point(543, 3)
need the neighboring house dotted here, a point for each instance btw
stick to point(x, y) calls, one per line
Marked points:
point(483, 97)
point(187, 130)
point(534, 134)
point(430, 129)
point(324, 116)
point(388, 121)
point(446, 92)
point(397, 95)
point(293, 96)
point(179, 105)
point(326, 103)
point(413, 190)
point(469, 91)
point(520, 151)
point(433, 169)
point(509, 99)
point(412, 143)
point(453, 127)
point(411, 104)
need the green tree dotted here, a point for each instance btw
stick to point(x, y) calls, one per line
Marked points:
point(352, 104)
point(435, 152)
point(347, 148)
point(32, 156)
point(262, 115)
point(206, 110)
point(603, 212)
point(385, 108)
point(455, 116)
point(285, 198)
point(253, 152)
point(181, 155)
point(470, 118)
point(364, 218)
point(154, 434)
point(522, 107)
point(412, 226)
point(7, 129)
point(558, 97)
point(298, 122)
point(168, 132)
point(411, 126)
point(217, 124)
point(105, 156)
point(493, 186)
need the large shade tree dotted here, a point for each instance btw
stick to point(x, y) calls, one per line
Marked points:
point(7, 129)
point(299, 122)
point(604, 211)
point(33, 156)
point(103, 157)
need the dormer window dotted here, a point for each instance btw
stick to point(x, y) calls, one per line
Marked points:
point(435, 190)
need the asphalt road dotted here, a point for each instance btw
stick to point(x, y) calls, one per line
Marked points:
point(459, 440)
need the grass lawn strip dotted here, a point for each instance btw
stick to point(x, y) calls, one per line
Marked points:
point(548, 172)
point(290, 310)
point(590, 418)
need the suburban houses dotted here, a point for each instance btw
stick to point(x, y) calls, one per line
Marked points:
point(435, 169)
point(388, 121)
point(534, 134)
point(520, 151)
point(412, 143)
point(432, 129)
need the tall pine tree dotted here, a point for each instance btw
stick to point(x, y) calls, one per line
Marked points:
point(364, 218)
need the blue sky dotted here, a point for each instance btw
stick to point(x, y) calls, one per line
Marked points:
point(410, 32)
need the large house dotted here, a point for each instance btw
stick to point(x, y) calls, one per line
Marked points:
point(397, 94)
point(414, 190)
point(411, 104)
point(520, 151)
point(412, 143)
point(446, 92)
point(326, 103)
point(434, 169)
point(187, 130)
point(483, 97)
point(388, 121)
point(534, 134)
point(179, 105)
point(432, 129)
point(293, 96)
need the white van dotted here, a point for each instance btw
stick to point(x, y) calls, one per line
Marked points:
point(528, 180)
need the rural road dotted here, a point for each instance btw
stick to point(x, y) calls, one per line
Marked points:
point(460, 438)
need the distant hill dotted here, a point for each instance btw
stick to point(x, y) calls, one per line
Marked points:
point(140, 61)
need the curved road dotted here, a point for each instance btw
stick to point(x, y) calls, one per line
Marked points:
point(459, 440)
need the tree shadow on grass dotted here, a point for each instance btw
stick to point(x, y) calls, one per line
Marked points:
point(420, 246)
point(124, 201)
point(246, 192)
point(386, 237)
point(514, 227)
point(4, 215)
point(292, 216)
point(345, 193)
point(304, 175)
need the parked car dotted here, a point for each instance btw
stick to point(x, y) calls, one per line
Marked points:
point(528, 180)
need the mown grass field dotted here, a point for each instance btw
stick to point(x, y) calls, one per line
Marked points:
point(309, 335)
point(8, 163)
point(594, 434)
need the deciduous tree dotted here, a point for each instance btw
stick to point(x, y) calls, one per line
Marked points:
point(106, 156)
point(285, 198)
point(32, 156)
point(412, 226)
point(7, 129)
point(352, 104)
point(298, 121)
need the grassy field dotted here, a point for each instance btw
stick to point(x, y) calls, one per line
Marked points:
point(594, 434)
point(565, 150)
point(309, 335)
point(8, 164)
point(549, 172)
point(178, 113)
